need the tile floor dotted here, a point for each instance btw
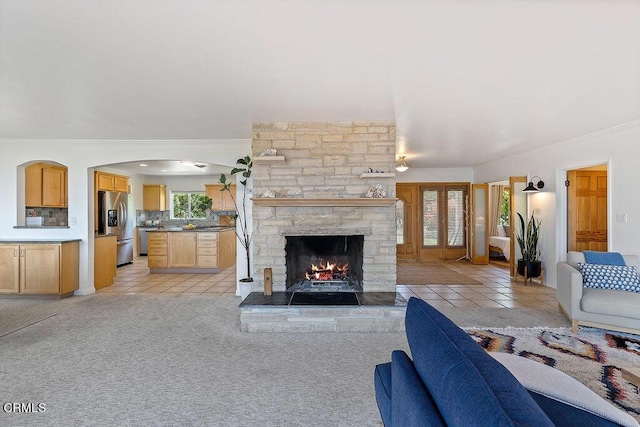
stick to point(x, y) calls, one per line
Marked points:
point(496, 291)
point(135, 279)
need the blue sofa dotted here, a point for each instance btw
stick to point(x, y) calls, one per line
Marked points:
point(453, 381)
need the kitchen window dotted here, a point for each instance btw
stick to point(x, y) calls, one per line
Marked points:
point(189, 205)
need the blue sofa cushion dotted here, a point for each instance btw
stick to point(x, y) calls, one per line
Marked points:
point(382, 384)
point(412, 404)
point(604, 258)
point(469, 387)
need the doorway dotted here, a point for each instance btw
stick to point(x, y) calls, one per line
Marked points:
point(432, 220)
point(587, 213)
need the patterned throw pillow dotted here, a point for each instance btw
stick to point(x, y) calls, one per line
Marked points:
point(617, 277)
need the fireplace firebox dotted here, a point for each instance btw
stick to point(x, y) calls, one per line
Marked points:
point(324, 263)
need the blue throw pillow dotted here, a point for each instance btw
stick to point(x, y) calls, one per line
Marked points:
point(603, 258)
point(469, 387)
point(617, 277)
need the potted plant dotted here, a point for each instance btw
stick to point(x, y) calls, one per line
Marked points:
point(242, 227)
point(527, 237)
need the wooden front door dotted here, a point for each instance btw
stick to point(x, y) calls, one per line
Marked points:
point(587, 210)
point(432, 220)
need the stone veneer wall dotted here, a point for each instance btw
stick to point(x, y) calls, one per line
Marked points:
point(325, 160)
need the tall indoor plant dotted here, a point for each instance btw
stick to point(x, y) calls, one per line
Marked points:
point(243, 167)
point(527, 237)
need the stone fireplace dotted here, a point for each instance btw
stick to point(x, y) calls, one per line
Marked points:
point(320, 177)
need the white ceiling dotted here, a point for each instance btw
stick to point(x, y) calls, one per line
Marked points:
point(466, 81)
point(171, 167)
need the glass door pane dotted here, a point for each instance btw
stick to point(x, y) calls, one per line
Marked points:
point(455, 218)
point(430, 218)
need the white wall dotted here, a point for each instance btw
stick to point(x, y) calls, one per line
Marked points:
point(619, 147)
point(81, 157)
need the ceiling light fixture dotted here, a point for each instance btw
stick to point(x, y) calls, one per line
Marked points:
point(401, 164)
point(144, 165)
point(531, 189)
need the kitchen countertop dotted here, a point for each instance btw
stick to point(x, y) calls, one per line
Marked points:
point(43, 240)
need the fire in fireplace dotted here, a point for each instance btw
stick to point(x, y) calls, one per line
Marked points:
point(324, 263)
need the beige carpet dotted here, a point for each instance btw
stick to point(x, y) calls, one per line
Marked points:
point(430, 274)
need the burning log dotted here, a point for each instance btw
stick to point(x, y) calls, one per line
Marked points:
point(327, 271)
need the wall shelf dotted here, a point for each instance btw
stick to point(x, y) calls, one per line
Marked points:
point(377, 175)
point(268, 159)
point(307, 202)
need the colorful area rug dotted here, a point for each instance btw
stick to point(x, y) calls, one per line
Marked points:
point(594, 356)
point(430, 274)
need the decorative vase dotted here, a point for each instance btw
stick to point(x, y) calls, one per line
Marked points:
point(533, 268)
point(246, 286)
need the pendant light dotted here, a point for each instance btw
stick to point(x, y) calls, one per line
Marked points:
point(401, 164)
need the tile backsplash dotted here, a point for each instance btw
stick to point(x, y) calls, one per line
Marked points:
point(164, 218)
point(52, 216)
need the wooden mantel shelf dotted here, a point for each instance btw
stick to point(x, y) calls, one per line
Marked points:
point(307, 202)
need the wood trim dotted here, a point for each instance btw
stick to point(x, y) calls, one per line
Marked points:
point(307, 202)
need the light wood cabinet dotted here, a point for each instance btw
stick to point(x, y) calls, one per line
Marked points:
point(45, 185)
point(157, 251)
point(111, 182)
point(208, 250)
point(154, 197)
point(9, 269)
point(121, 183)
point(220, 200)
point(226, 249)
point(39, 268)
point(105, 260)
point(195, 252)
point(182, 250)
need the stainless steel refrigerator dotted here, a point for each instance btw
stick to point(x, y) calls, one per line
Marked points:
point(114, 218)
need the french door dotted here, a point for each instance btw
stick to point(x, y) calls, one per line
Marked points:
point(434, 220)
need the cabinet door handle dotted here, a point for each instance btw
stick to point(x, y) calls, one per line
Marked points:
point(22, 253)
point(15, 252)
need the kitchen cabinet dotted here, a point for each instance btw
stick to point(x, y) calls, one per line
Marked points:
point(220, 200)
point(46, 186)
point(154, 197)
point(182, 250)
point(196, 252)
point(104, 261)
point(158, 249)
point(9, 269)
point(111, 182)
point(39, 268)
point(208, 250)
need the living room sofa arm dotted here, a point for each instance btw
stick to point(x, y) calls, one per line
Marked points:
point(569, 288)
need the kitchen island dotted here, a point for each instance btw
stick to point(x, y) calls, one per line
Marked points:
point(39, 267)
point(201, 250)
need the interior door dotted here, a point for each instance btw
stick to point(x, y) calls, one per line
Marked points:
point(480, 224)
point(587, 210)
point(518, 201)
